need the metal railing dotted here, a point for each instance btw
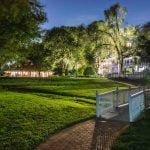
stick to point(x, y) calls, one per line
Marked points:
point(109, 101)
point(131, 76)
point(104, 102)
point(136, 105)
point(147, 98)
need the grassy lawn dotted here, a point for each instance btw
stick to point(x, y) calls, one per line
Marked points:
point(80, 87)
point(137, 137)
point(33, 109)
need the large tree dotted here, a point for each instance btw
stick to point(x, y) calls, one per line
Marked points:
point(79, 59)
point(61, 43)
point(120, 36)
point(37, 57)
point(99, 42)
point(19, 24)
point(144, 42)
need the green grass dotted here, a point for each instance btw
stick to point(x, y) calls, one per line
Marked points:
point(33, 109)
point(137, 136)
point(27, 119)
point(78, 87)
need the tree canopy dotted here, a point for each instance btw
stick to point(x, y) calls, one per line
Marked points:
point(144, 42)
point(67, 48)
point(121, 36)
point(19, 23)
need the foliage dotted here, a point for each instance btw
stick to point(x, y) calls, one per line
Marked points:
point(1, 72)
point(80, 71)
point(61, 43)
point(144, 42)
point(36, 57)
point(118, 36)
point(89, 71)
point(90, 57)
point(58, 70)
point(72, 72)
point(65, 48)
point(136, 136)
point(19, 24)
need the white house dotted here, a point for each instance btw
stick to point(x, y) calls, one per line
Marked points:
point(130, 64)
point(108, 66)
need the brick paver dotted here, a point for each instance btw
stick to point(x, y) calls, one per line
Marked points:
point(95, 134)
point(77, 137)
point(89, 135)
point(106, 131)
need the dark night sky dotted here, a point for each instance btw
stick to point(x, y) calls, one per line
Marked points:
point(76, 12)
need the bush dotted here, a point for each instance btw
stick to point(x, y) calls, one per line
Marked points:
point(73, 73)
point(89, 71)
point(81, 71)
point(57, 71)
point(148, 80)
point(1, 73)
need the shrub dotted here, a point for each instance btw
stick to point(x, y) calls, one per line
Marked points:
point(73, 73)
point(1, 72)
point(89, 71)
point(81, 71)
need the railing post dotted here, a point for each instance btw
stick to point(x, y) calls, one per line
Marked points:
point(97, 105)
point(117, 97)
point(145, 97)
point(129, 91)
point(114, 100)
point(130, 107)
point(130, 104)
point(140, 88)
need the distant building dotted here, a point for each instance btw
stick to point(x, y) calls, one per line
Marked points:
point(26, 73)
point(108, 66)
point(130, 65)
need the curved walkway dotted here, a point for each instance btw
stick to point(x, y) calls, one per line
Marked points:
point(89, 135)
point(77, 137)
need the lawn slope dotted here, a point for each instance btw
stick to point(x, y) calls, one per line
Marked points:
point(32, 109)
point(26, 119)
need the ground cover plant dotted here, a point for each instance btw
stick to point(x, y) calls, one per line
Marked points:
point(33, 109)
point(137, 136)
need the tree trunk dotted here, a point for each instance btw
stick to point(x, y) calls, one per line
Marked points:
point(63, 68)
point(39, 73)
point(120, 65)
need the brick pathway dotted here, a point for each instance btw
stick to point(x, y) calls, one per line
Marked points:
point(89, 135)
point(77, 137)
point(105, 133)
